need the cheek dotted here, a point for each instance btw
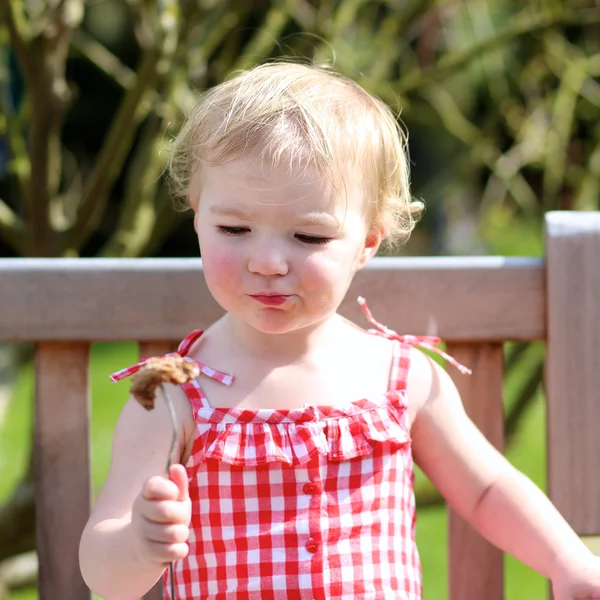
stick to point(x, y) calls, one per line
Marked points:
point(317, 267)
point(326, 270)
point(221, 266)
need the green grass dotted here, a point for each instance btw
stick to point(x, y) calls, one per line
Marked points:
point(527, 454)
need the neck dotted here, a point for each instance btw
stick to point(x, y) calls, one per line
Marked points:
point(283, 348)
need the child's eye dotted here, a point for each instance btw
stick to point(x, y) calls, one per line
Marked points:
point(232, 230)
point(312, 239)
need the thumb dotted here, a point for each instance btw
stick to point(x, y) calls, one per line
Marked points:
point(178, 475)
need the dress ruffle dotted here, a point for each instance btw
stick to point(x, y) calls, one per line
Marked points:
point(256, 437)
point(252, 438)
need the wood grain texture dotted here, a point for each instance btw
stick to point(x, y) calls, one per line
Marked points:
point(475, 566)
point(573, 367)
point(153, 299)
point(62, 466)
point(156, 348)
point(156, 593)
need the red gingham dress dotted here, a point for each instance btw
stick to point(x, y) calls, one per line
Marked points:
point(309, 503)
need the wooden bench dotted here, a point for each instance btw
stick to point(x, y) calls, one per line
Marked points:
point(475, 304)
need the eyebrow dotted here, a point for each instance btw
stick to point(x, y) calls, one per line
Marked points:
point(311, 219)
point(231, 211)
point(324, 219)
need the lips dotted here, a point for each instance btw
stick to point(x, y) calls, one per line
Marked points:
point(270, 299)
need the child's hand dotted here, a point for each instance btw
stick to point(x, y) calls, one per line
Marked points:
point(579, 581)
point(160, 518)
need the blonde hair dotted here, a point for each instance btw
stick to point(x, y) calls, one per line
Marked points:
point(309, 116)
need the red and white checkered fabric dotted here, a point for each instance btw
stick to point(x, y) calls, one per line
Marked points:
point(309, 503)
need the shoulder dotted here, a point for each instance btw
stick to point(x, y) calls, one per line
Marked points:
point(207, 345)
point(135, 423)
point(140, 447)
point(428, 385)
point(374, 353)
point(361, 340)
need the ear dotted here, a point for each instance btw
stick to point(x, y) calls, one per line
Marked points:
point(196, 222)
point(372, 242)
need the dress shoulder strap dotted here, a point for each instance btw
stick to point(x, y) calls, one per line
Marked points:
point(192, 389)
point(400, 367)
point(424, 341)
point(188, 341)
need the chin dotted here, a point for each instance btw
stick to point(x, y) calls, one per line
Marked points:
point(277, 326)
point(283, 323)
point(277, 321)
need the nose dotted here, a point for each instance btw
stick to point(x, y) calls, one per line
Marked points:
point(267, 258)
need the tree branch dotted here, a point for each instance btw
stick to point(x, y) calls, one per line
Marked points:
point(563, 119)
point(483, 150)
point(302, 12)
point(524, 399)
point(141, 23)
point(17, 521)
point(218, 23)
point(156, 61)
point(513, 354)
point(117, 143)
point(19, 165)
point(103, 59)
point(523, 24)
point(344, 16)
point(13, 13)
point(138, 215)
point(166, 221)
point(264, 39)
point(42, 60)
point(11, 228)
point(141, 220)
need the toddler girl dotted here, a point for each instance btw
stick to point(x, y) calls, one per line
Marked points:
point(294, 456)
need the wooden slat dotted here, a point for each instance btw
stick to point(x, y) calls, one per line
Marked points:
point(573, 367)
point(156, 593)
point(156, 348)
point(150, 299)
point(62, 466)
point(147, 349)
point(475, 566)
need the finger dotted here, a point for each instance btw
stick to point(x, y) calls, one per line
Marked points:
point(167, 553)
point(178, 475)
point(166, 533)
point(170, 512)
point(160, 488)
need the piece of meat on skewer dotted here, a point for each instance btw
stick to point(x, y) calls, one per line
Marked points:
point(161, 369)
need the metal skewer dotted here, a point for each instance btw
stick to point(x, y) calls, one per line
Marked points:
point(171, 411)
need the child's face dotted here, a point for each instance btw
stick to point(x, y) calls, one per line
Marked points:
point(279, 249)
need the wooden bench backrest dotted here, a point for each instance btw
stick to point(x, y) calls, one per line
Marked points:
point(474, 304)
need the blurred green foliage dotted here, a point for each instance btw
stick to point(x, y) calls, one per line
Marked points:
point(501, 101)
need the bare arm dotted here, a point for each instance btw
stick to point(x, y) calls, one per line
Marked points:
point(110, 558)
point(479, 483)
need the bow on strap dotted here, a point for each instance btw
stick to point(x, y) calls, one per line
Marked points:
point(204, 369)
point(425, 341)
point(182, 351)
